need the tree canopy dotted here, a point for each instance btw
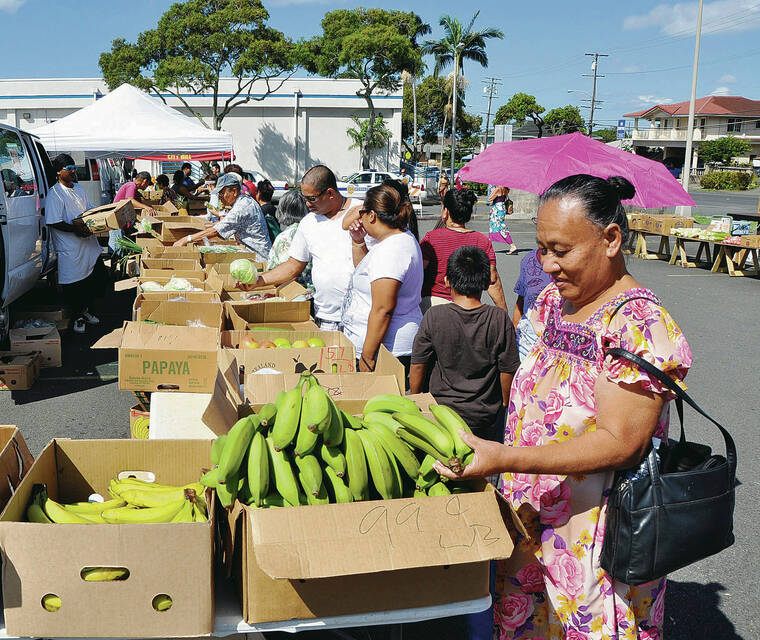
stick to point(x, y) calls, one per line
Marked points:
point(370, 45)
point(378, 137)
point(519, 108)
point(722, 150)
point(194, 44)
point(606, 135)
point(565, 119)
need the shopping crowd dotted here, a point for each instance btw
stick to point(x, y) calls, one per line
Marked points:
point(553, 416)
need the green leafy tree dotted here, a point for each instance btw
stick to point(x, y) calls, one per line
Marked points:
point(565, 119)
point(366, 139)
point(370, 45)
point(723, 150)
point(519, 108)
point(194, 45)
point(606, 135)
point(409, 77)
point(459, 43)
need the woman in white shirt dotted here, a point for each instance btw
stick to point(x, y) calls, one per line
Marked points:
point(382, 303)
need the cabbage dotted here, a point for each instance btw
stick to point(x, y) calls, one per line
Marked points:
point(243, 271)
point(145, 226)
point(151, 286)
point(178, 284)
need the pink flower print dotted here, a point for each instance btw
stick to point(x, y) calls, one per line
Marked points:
point(532, 434)
point(555, 505)
point(620, 616)
point(541, 484)
point(566, 571)
point(554, 406)
point(572, 634)
point(515, 610)
point(520, 485)
point(658, 609)
point(525, 384)
point(511, 428)
point(640, 310)
point(531, 578)
point(599, 532)
point(682, 353)
point(582, 388)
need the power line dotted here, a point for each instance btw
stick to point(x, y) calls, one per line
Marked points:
point(491, 89)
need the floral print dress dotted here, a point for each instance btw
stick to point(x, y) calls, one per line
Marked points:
point(553, 587)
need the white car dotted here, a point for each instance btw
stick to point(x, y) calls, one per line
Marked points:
point(357, 184)
point(280, 186)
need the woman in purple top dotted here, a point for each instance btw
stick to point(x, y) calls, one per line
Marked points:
point(532, 281)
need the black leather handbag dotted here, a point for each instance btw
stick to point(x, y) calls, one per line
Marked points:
point(675, 508)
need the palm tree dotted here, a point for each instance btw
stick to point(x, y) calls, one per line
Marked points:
point(366, 139)
point(459, 43)
point(409, 76)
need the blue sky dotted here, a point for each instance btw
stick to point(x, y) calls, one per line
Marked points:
point(650, 44)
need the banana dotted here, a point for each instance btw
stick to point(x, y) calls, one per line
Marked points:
point(35, 513)
point(356, 465)
point(439, 489)
point(258, 469)
point(420, 493)
point(274, 499)
point(95, 518)
point(427, 480)
point(238, 440)
point(453, 422)
point(395, 446)
point(428, 430)
point(141, 428)
point(337, 488)
point(286, 422)
point(349, 421)
point(126, 515)
point(104, 574)
point(319, 498)
point(378, 463)
point(398, 481)
point(95, 508)
point(59, 515)
point(216, 449)
point(386, 419)
point(310, 474)
point(333, 458)
point(185, 514)
point(467, 460)
point(198, 515)
point(227, 493)
point(306, 440)
point(422, 445)
point(210, 478)
point(162, 602)
point(267, 414)
point(427, 465)
point(284, 479)
point(333, 436)
point(51, 602)
point(316, 409)
point(157, 498)
point(389, 403)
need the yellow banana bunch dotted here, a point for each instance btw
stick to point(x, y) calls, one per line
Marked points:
point(104, 574)
point(389, 403)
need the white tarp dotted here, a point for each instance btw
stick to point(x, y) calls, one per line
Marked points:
point(129, 123)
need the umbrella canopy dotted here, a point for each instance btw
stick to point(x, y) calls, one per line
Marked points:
point(535, 165)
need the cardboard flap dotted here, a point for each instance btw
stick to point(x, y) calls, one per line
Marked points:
point(290, 291)
point(163, 337)
point(182, 314)
point(380, 535)
point(261, 388)
point(110, 340)
point(222, 410)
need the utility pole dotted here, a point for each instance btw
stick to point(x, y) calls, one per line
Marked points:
point(690, 126)
point(595, 75)
point(491, 89)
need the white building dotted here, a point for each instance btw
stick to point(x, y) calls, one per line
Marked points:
point(302, 124)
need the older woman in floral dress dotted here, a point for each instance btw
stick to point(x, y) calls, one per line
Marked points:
point(575, 416)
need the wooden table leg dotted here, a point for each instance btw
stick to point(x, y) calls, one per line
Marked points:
point(674, 253)
point(663, 250)
point(718, 259)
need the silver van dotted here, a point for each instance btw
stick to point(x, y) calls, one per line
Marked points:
point(25, 251)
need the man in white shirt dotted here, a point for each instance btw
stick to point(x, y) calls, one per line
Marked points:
point(80, 271)
point(321, 239)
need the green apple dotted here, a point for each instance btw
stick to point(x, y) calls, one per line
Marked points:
point(282, 343)
point(300, 344)
point(316, 342)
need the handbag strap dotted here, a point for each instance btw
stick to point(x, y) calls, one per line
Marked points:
point(681, 395)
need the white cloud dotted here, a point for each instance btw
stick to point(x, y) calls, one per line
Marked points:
point(721, 91)
point(727, 79)
point(719, 16)
point(648, 100)
point(11, 6)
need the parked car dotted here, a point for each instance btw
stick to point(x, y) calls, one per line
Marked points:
point(280, 186)
point(357, 184)
point(25, 249)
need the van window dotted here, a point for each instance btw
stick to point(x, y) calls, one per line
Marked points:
point(15, 166)
point(83, 172)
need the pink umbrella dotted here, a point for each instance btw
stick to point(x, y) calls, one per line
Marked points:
point(534, 165)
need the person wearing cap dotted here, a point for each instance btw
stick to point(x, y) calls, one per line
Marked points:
point(244, 222)
point(80, 270)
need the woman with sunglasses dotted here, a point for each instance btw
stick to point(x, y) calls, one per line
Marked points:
point(80, 270)
point(382, 304)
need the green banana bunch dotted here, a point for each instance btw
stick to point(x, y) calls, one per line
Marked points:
point(258, 469)
point(216, 449)
point(434, 434)
point(439, 489)
point(453, 422)
point(316, 408)
point(306, 440)
point(395, 446)
point(389, 403)
point(268, 414)
point(238, 440)
point(349, 421)
point(356, 465)
point(379, 465)
point(333, 457)
point(385, 419)
point(286, 422)
point(284, 479)
point(320, 498)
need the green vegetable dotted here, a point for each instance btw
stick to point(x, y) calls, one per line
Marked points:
point(243, 271)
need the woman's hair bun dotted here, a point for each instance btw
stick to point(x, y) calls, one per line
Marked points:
point(622, 186)
point(470, 197)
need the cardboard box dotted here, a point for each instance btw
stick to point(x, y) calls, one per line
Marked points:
point(15, 461)
point(752, 242)
point(46, 313)
point(242, 313)
point(341, 559)
point(177, 267)
point(180, 313)
point(223, 268)
point(46, 340)
point(179, 296)
point(197, 206)
point(147, 241)
point(109, 217)
point(188, 252)
point(195, 282)
point(665, 224)
point(159, 210)
point(19, 371)
point(155, 357)
point(139, 423)
point(173, 559)
point(210, 259)
point(169, 230)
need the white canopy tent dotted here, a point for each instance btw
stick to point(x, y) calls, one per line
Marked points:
point(129, 123)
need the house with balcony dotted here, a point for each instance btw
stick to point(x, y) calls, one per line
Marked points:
point(660, 131)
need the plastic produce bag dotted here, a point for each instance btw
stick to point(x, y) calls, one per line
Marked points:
point(151, 286)
point(178, 284)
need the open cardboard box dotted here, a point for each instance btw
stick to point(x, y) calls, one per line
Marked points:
point(109, 217)
point(179, 267)
point(172, 296)
point(201, 285)
point(147, 241)
point(155, 357)
point(19, 371)
point(159, 210)
point(223, 268)
point(46, 340)
point(15, 461)
point(188, 252)
point(242, 313)
point(210, 258)
point(173, 559)
point(47, 313)
point(180, 313)
point(176, 227)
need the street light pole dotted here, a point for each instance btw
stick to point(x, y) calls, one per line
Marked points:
point(690, 126)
